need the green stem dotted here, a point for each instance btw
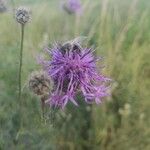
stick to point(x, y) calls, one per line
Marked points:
point(43, 107)
point(20, 65)
point(19, 82)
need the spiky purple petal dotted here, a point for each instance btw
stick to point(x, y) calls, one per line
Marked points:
point(73, 71)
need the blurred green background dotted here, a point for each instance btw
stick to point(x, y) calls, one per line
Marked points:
point(120, 31)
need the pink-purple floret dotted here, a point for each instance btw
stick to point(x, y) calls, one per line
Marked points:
point(73, 6)
point(74, 71)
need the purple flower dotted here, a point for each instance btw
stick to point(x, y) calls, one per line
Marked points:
point(72, 6)
point(73, 70)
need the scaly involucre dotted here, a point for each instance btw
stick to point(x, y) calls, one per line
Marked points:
point(22, 15)
point(73, 70)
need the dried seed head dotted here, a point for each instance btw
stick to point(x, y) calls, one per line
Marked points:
point(22, 15)
point(39, 83)
point(3, 6)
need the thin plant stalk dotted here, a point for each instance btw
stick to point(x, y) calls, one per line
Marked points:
point(20, 65)
point(22, 16)
point(19, 81)
point(43, 107)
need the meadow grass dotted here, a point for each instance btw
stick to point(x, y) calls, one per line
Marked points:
point(119, 30)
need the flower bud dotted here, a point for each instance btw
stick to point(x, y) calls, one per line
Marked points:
point(39, 83)
point(22, 15)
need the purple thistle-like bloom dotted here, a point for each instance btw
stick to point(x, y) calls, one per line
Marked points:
point(72, 6)
point(73, 70)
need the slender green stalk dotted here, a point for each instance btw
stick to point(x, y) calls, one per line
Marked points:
point(43, 107)
point(20, 79)
point(20, 65)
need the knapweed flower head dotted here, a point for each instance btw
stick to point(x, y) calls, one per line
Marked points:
point(72, 6)
point(22, 15)
point(39, 83)
point(73, 70)
point(3, 6)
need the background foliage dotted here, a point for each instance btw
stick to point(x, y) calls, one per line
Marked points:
point(120, 31)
